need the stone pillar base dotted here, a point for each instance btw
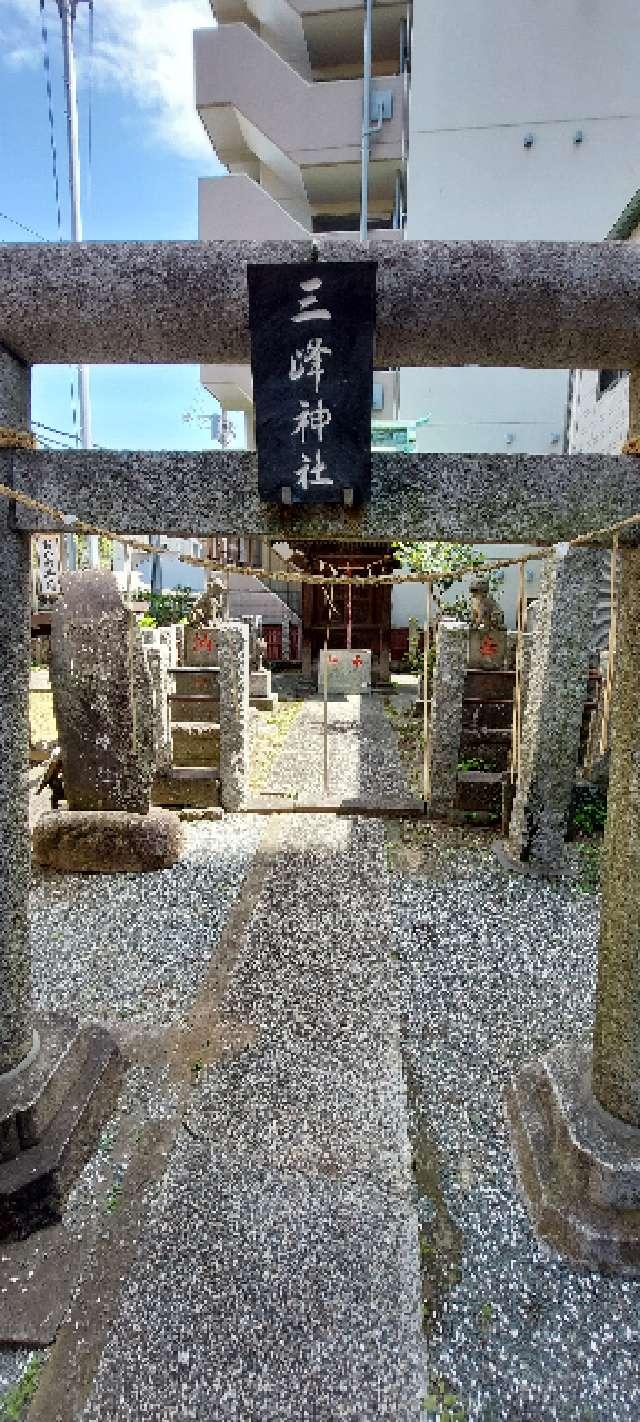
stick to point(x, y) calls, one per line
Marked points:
point(107, 841)
point(51, 1113)
point(579, 1167)
point(560, 869)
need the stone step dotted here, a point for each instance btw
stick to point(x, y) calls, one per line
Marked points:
point(195, 743)
point(196, 681)
point(479, 790)
point(192, 787)
point(491, 746)
point(490, 685)
point(264, 703)
point(494, 715)
point(34, 1184)
point(194, 707)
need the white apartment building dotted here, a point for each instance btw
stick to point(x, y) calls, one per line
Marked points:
point(518, 121)
point(599, 404)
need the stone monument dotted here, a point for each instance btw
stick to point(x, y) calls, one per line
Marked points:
point(102, 697)
point(104, 713)
point(557, 683)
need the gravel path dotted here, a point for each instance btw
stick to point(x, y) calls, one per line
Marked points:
point(138, 945)
point(498, 968)
point(278, 1276)
point(364, 763)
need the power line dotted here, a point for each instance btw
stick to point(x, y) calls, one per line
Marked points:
point(52, 429)
point(52, 135)
point(23, 225)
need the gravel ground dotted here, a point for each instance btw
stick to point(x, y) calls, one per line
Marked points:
point(498, 968)
point(138, 945)
point(134, 948)
point(278, 1277)
point(364, 763)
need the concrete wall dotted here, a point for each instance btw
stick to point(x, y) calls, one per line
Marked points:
point(599, 423)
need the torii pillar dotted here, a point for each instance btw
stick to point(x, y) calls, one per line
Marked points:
point(16, 1021)
point(575, 1112)
point(57, 1079)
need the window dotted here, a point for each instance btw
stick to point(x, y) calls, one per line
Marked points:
point(607, 379)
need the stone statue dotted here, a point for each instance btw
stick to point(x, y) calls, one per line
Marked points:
point(206, 608)
point(485, 611)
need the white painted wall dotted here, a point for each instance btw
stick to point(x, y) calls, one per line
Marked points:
point(410, 599)
point(485, 76)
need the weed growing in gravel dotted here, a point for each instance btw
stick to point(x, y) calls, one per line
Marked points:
point(590, 866)
point(114, 1197)
point(442, 1404)
point(17, 1401)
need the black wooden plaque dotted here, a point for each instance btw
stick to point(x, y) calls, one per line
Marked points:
point(312, 332)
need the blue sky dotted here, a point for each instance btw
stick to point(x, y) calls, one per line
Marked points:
point(148, 150)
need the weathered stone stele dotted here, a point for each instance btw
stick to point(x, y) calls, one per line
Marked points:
point(555, 702)
point(102, 697)
point(446, 714)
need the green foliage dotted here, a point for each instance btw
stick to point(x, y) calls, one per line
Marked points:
point(114, 1197)
point(105, 550)
point(445, 559)
point(15, 1403)
point(105, 547)
point(588, 810)
point(590, 862)
point(442, 1404)
point(165, 608)
point(147, 620)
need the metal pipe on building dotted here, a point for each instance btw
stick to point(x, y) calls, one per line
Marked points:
point(366, 119)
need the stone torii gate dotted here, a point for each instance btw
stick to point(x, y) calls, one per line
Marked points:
point(536, 304)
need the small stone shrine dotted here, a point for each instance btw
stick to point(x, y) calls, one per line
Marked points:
point(260, 694)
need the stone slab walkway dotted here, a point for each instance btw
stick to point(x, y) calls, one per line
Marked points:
point(364, 764)
point(278, 1277)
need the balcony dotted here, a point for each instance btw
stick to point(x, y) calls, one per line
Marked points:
point(257, 109)
point(323, 39)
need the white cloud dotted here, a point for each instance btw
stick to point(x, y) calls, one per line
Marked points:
point(144, 48)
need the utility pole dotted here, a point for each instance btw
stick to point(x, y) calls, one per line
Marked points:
point(67, 10)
